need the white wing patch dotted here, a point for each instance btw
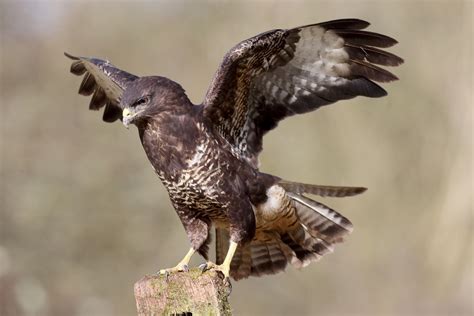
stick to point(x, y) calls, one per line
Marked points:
point(273, 206)
point(321, 52)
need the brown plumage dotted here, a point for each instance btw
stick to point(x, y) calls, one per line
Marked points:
point(207, 155)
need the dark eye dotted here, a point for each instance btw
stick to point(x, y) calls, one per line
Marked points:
point(141, 101)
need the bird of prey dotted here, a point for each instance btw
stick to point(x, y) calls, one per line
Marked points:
point(206, 155)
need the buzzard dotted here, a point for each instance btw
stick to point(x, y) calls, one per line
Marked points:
point(206, 155)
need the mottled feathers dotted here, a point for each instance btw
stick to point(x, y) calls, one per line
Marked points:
point(284, 72)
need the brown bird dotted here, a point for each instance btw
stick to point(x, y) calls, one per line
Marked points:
point(206, 155)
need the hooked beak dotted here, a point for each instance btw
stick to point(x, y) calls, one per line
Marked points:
point(127, 117)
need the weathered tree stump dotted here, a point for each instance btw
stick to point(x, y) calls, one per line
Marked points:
point(183, 293)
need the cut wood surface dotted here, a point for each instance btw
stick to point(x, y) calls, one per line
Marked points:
point(183, 293)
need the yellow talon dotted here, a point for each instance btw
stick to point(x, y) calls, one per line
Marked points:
point(225, 266)
point(181, 266)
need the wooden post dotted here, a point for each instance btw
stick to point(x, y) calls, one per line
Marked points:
point(183, 293)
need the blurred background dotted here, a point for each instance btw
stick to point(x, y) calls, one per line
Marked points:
point(82, 215)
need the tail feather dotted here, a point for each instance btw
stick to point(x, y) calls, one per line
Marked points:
point(302, 257)
point(222, 244)
point(241, 266)
point(267, 258)
point(312, 243)
point(319, 219)
point(321, 190)
point(293, 229)
point(261, 257)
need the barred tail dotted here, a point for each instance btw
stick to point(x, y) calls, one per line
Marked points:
point(319, 228)
point(298, 231)
point(321, 190)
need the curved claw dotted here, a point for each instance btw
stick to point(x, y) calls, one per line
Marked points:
point(208, 266)
point(218, 267)
point(185, 268)
point(203, 267)
point(228, 285)
point(179, 268)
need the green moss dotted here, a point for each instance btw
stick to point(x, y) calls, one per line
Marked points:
point(157, 283)
point(177, 295)
point(195, 273)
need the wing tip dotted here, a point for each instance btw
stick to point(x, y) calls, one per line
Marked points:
point(360, 37)
point(398, 62)
point(363, 86)
point(71, 56)
point(357, 23)
point(361, 190)
point(77, 66)
point(377, 91)
point(111, 113)
point(346, 23)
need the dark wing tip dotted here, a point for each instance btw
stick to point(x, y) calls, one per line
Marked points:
point(359, 190)
point(77, 67)
point(99, 77)
point(399, 61)
point(71, 56)
point(365, 87)
point(88, 85)
point(349, 23)
point(112, 113)
point(372, 55)
point(357, 37)
point(340, 24)
point(377, 91)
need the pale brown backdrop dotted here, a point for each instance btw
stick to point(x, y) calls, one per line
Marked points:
point(82, 216)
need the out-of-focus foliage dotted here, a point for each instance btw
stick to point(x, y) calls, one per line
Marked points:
point(82, 215)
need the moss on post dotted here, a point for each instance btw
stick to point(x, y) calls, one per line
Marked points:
point(183, 293)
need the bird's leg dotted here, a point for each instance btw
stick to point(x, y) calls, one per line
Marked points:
point(225, 266)
point(182, 265)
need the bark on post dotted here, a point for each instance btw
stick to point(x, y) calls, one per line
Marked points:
point(183, 293)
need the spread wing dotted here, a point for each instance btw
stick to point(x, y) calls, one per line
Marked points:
point(104, 82)
point(280, 73)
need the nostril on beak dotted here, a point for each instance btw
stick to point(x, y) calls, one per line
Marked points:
point(127, 116)
point(126, 112)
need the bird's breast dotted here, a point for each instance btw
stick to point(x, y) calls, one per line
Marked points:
point(200, 183)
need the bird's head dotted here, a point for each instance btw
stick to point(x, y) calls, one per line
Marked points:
point(148, 96)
